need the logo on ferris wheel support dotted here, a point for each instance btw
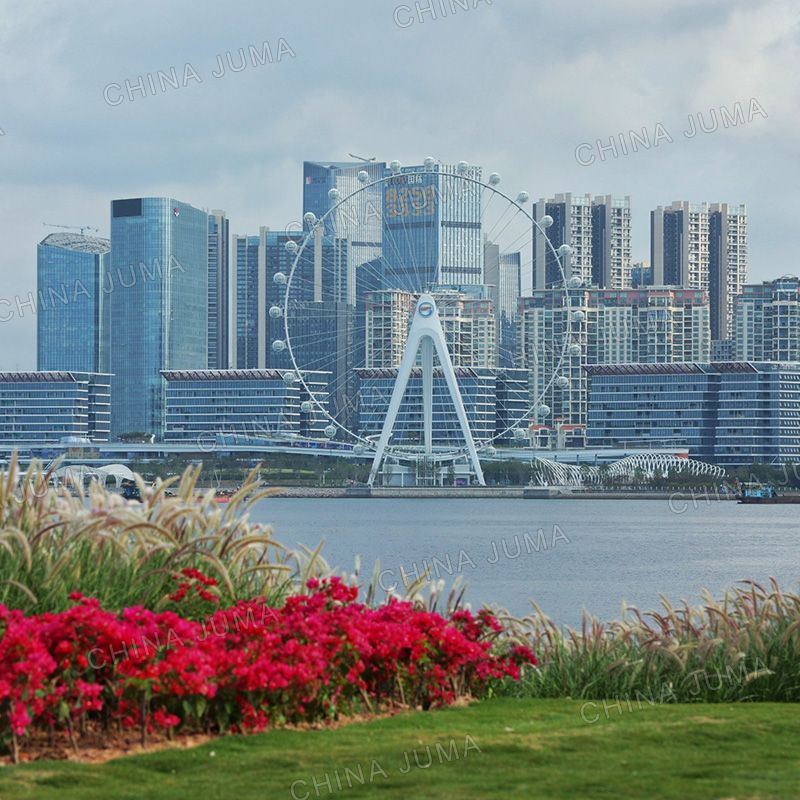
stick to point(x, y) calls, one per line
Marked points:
point(425, 308)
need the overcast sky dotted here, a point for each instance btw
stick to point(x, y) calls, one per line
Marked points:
point(513, 85)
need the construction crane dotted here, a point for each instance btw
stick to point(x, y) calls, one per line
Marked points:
point(361, 158)
point(80, 228)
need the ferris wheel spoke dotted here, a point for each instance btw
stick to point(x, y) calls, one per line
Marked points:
point(417, 247)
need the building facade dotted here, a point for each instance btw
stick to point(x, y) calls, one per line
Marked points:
point(495, 401)
point(432, 229)
point(611, 242)
point(74, 303)
point(467, 318)
point(159, 304)
point(358, 219)
point(652, 325)
point(503, 276)
point(597, 229)
point(702, 246)
point(767, 321)
point(219, 279)
point(217, 407)
point(48, 406)
point(730, 413)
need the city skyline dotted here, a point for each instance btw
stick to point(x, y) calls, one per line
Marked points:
point(151, 146)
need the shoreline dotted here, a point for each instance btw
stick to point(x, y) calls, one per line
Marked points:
point(474, 492)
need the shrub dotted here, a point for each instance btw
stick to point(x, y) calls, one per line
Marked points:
point(319, 655)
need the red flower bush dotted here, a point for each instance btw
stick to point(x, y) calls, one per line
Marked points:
point(320, 655)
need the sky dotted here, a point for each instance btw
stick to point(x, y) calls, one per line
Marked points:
point(522, 88)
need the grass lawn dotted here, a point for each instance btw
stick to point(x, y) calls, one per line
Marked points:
point(498, 748)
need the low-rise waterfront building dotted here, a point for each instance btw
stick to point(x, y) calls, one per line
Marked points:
point(240, 405)
point(495, 401)
point(729, 413)
point(47, 407)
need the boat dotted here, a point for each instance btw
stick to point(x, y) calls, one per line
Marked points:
point(223, 495)
point(764, 494)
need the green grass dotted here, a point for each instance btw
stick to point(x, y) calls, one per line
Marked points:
point(527, 749)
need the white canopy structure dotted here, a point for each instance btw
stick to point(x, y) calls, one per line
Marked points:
point(77, 474)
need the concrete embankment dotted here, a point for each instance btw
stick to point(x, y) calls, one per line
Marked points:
point(508, 492)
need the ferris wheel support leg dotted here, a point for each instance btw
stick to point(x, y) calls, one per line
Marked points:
point(426, 333)
point(399, 389)
point(461, 413)
point(427, 392)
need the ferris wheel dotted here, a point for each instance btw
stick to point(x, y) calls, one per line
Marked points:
point(435, 257)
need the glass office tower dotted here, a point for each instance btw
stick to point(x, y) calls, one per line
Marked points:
point(357, 219)
point(432, 228)
point(218, 291)
point(73, 303)
point(159, 304)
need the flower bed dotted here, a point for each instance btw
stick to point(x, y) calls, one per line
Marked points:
point(318, 656)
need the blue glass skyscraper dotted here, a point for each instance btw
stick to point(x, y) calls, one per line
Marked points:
point(432, 228)
point(159, 304)
point(357, 219)
point(218, 289)
point(72, 322)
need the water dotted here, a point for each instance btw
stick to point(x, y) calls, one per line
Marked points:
point(590, 554)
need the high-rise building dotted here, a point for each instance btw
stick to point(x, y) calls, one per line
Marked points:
point(641, 274)
point(597, 229)
point(727, 270)
point(321, 302)
point(249, 340)
point(74, 303)
point(159, 304)
point(387, 320)
point(358, 219)
point(653, 325)
point(218, 291)
point(467, 318)
point(611, 242)
point(432, 228)
point(767, 321)
point(702, 246)
point(324, 275)
point(503, 276)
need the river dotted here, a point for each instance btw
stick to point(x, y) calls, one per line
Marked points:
point(564, 554)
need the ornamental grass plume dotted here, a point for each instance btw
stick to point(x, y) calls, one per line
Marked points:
point(744, 647)
point(127, 553)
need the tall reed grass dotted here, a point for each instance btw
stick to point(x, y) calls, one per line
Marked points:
point(743, 647)
point(128, 553)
